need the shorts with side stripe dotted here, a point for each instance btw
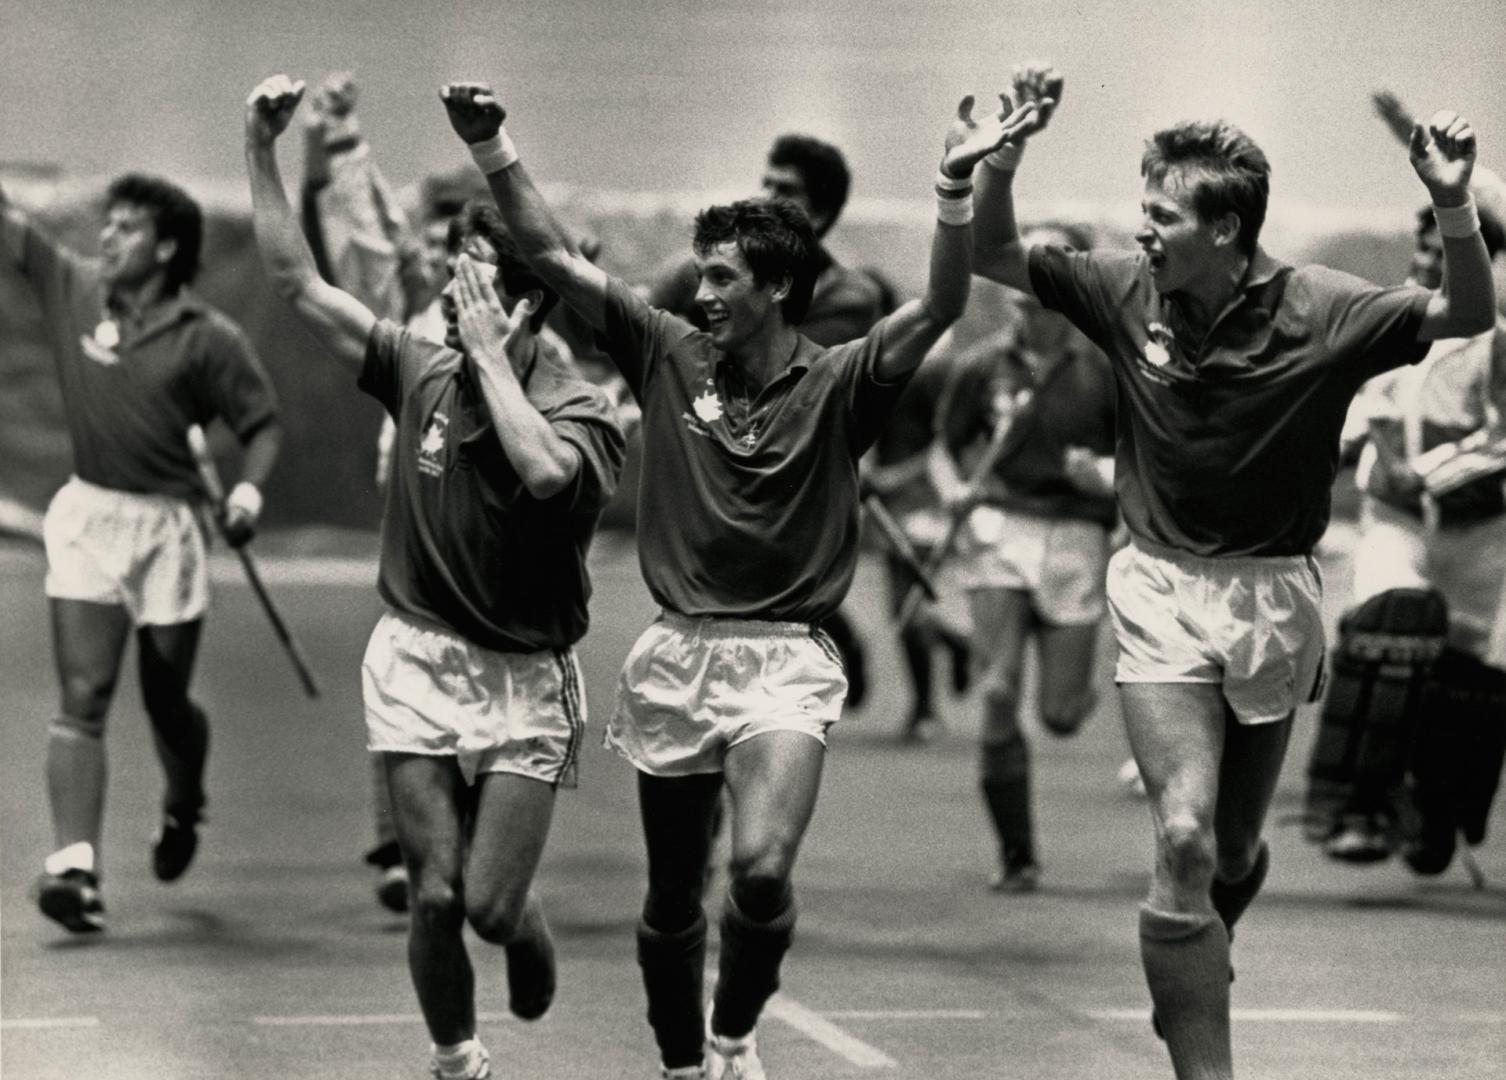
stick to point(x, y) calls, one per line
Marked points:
point(427, 690)
point(693, 688)
point(1251, 626)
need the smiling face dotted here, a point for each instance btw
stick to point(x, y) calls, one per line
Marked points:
point(736, 308)
point(129, 248)
point(1181, 246)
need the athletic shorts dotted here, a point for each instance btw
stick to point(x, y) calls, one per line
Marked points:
point(1253, 626)
point(1060, 562)
point(427, 690)
point(1466, 564)
point(691, 689)
point(144, 553)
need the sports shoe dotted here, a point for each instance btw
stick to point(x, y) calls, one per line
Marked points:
point(72, 900)
point(684, 1072)
point(1360, 838)
point(921, 728)
point(476, 1065)
point(174, 845)
point(531, 973)
point(1130, 779)
point(1016, 879)
point(729, 1058)
point(392, 882)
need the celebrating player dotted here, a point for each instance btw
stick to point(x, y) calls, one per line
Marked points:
point(747, 522)
point(504, 459)
point(141, 359)
point(1233, 373)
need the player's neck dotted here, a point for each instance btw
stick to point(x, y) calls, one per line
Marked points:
point(133, 299)
point(763, 357)
point(1206, 296)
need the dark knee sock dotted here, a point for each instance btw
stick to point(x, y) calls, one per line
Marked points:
point(183, 748)
point(917, 650)
point(673, 967)
point(1005, 782)
point(1186, 961)
point(1230, 898)
point(748, 972)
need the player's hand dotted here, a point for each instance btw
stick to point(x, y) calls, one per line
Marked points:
point(1394, 115)
point(1443, 154)
point(336, 95)
point(1041, 83)
point(1084, 471)
point(475, 113)
point(270, 108)
point(486, 330)
point(971, 138)
point(241, 512)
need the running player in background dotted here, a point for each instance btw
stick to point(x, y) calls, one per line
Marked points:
point(1230, 367)
point(504, 460)
point(140, 359)
point(844, 305)
point(747, 530)
point(1036, 548)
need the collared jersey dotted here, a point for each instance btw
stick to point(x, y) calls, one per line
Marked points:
point(747, 508)
point(1229, 446)
point(131, 390)
point(1071, 404)
point(464, 544)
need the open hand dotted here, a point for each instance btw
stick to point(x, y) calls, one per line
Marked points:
point(971, 138)
point(474, 111)
point(1041, 83)
point(485, 328)
point(1443, 153)
point(270, 107)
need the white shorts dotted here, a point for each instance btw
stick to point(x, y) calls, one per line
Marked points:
point(1253, 626)
point(1062, 563)
point(1467, 565)
point(145, 553)
point(691, 689)
point(428, 690)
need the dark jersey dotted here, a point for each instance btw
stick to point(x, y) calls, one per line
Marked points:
point(1229, 446)
point(464, 544)
point(746, 510)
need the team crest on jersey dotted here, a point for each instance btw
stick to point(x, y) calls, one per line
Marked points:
point(707, 407)
point(1158, 348)
point(101, 345)
point(431, 446)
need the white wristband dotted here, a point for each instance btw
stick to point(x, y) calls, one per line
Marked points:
point(1458, 222)
point(954, 209)
point(246, 498)
point(494, 154)
point(1007, 157)
point(953, 183)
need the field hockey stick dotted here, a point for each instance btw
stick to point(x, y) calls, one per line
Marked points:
point(210, 475)
point(998, 442)
point(899, 543)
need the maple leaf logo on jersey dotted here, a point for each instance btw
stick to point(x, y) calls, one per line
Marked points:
point(1158, 348)
point(433, 439)
point(707, 407)
point(431, 446)
point(100, 346)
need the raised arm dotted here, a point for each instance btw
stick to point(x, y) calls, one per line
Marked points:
point(477, 117)
point(340, 322)
point(545, 462)
point(912, 329)
point(998, 252)
point(1443, 155)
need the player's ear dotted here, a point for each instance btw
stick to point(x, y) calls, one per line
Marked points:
point(1226, 229)
point(781, 289)
point(166, 249)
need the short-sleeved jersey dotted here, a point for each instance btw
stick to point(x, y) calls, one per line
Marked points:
point(464, 544)
point(1071, 404)
point(1228, 446)
point(746, 509)
point(845, 303)
point(910, 430)
point(132, 389)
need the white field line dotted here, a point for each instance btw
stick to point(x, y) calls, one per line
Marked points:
point(906, 1014)
point(819, 1029)
point(1279, 1016)
point(49, 1023)
point(359, 1020)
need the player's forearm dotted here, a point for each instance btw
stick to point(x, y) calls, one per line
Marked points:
point(1466, 300)
point(545, 463)
point(997, 252)
point(951, 273)
point(284, 250)
point(261, 451)
point(543, 242)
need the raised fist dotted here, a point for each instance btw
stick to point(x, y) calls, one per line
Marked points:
point(1443, 153)
point(336, 95)
point(474, 111)
point(270, 107)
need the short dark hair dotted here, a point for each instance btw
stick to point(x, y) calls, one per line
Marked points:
point(1222, 167)
point(1079, 236)
point(175, 215)
point(821, 166)
point(480, 219)
point(1491, 230)
point(776, 239)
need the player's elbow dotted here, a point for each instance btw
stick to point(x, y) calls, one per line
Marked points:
point(546, 478)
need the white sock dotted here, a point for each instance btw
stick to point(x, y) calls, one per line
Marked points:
point(462, 1061)
point(76, 856)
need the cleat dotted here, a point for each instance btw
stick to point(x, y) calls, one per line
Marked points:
point(729, 1058)
point(173, 847)
point(1360, 838)
point(1016, 879)
point(531, 973)
point(1130, 779)
point(478, 1067)
point(684, 1072)
point(72, 900)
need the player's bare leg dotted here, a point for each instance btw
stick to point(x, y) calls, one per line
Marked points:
point(1177, 732)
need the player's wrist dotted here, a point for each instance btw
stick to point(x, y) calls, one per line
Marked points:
point(493, 154)
point(1456, 221)
point(1006, 158)
point(954, 198)
point(246, 499)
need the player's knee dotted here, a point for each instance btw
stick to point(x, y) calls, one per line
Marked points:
point(761, 896)
point(86, 697)
point(436, 903)
point(497, 919)
point(671, 910)
point(1063, 716)
point(77, 728)
point(1001, 709)
point(1185, 851)
point(166, 703)
point(1236, 858)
